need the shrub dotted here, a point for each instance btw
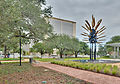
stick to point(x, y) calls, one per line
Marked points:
point(115, 67)
point(114, 70)
point(109, 66)
point(86, 66)
point(103, 65)
point(92, 68)
point(80, 66)
point(107, 69)
point(99, 69)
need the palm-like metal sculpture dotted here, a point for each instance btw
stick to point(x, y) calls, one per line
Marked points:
point(93, 35)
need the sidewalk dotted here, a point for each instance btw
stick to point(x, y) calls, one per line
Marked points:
point(92, 77)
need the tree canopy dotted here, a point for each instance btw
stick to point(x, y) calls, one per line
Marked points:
point(66, 44)
point(25, 16)
point(102, 50)
point(115, 39)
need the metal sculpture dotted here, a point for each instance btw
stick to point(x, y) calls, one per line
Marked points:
point(94, 35)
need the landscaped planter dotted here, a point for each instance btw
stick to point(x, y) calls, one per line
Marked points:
point(99, 68)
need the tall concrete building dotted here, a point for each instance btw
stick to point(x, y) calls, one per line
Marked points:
point(61, 26)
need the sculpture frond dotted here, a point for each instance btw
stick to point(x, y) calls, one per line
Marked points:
point(93, 21)
point(85, 28)
point(101, 37)
point(85, 35)
point(98, 23)
point(102, 40)
point(93, 33)
point(101, 30)
point(101, 34)
point(85, 40)
point(88, 24)
point(99, 42)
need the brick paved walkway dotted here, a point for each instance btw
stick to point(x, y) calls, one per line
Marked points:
point(92, 77)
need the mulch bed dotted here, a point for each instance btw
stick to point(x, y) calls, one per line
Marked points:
point(37, 75)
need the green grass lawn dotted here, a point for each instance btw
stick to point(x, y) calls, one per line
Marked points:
point(68, 59)
point(105, 57)
point(44, 59)
point(52, 59)
point(7, 59)
point(65, 59)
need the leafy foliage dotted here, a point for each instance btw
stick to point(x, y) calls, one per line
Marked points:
point(27, 17)
point(75, 46)
point(39, 47)
point(60, 42)
point(115, 39)
point(67, 45)
point(102, 50)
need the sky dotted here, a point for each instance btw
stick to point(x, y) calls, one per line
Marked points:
point(81, 10)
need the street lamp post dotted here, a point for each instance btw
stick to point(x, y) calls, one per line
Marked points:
point(20, 44)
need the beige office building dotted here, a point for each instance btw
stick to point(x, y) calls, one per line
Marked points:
point(61, 26)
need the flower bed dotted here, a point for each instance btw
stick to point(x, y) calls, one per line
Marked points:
point(99, 68)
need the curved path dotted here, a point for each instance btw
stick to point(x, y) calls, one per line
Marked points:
point(92, 77)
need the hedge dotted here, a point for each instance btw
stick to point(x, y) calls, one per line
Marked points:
point(99, 67)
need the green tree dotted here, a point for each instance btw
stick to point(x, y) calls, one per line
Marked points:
point(65, 45)
point(115, 39)
point(85, 49)
point(49, 48)
point(75, 46)
point(39, 47)
point(60, 42)
point(33, 24)
point(102, 50)
point(26, 16)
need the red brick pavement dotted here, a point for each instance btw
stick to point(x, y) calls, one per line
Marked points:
point(92, 77)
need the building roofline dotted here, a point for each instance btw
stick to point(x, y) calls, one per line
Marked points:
point(63, 20)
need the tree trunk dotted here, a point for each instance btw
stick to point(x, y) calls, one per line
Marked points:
point(75, 54)
point(61, 53)
point(5, 51)
point(41, 52)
